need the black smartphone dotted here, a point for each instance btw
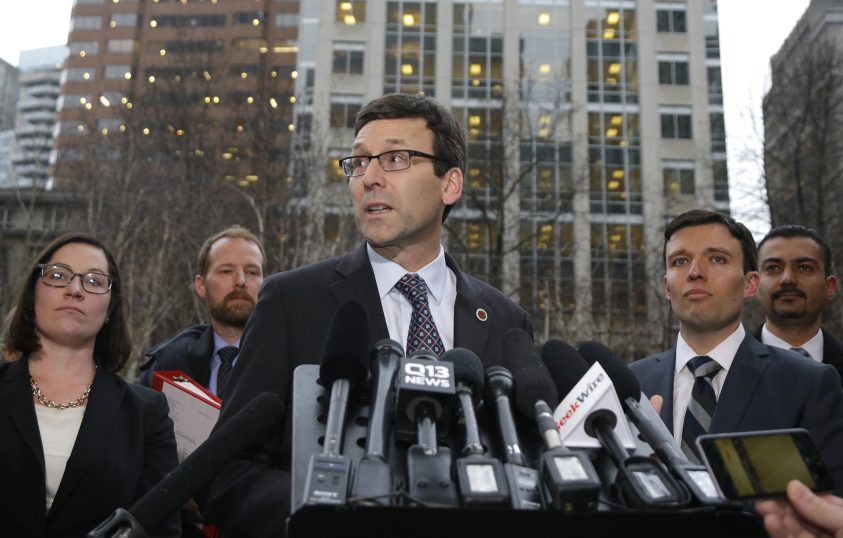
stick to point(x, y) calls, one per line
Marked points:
point(750, 465)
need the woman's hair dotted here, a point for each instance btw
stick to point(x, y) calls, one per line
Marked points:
point(113, 345)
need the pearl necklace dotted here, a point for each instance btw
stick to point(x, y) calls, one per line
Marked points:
point(78, 402)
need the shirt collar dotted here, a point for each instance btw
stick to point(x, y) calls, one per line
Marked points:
point(219, 343)
point(387, 273)
point(723, 354)
point(814, 346)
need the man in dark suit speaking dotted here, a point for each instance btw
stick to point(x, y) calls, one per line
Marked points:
point(718, 378)
point(405, 173)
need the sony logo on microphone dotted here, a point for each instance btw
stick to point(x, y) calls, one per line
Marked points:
point(427, 374)
point(590, 388)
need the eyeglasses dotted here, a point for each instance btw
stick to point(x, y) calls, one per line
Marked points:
point(390, 161)
point(58, 276)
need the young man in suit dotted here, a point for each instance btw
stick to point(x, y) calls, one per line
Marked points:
point(405, 173)
point(229, 274)
point(718, 378)
point(797, 284)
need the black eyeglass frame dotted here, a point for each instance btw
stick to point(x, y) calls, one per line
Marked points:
point(43, 266)
point(412, 153)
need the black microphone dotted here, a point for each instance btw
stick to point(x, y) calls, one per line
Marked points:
point(344, 368)
point(481, 479)
point(195, 472)
point(426, 389)
point(650, 424)
point(642, 481)
point(373, 478)
point(569, 480)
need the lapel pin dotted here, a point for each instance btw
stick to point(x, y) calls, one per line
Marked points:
point(481, 314)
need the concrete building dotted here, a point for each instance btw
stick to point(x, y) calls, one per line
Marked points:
point(803, 111)
point(40, 70)
point(590, 122)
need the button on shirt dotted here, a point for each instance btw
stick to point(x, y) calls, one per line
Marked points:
point(814, 346)
point(219, 343)
point(397, 310)
point(683, 380)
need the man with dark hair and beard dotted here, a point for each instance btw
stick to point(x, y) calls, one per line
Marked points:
point(797, 285)
point(229, 274)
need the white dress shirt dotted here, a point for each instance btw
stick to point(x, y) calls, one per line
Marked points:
point(814, 346)
point(683, 380)
point(397, 310)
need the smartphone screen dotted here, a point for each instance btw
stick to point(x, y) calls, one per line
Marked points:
point(748, 465)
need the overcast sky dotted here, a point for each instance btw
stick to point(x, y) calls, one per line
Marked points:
point(750, 32)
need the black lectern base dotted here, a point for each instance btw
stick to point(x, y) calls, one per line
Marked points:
point(392, 522)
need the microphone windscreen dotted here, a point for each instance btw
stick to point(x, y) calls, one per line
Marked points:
point(531, 378)
point(467, 370)
point(565, 365)
point(624, 381)
point(346, 351)
point(231, 438)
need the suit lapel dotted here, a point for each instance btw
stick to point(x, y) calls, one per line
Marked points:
point(469, 331)
point(16, 395)
point(741, 381)
point(358, 284)
point(663, 384)
point(199, 356)
point(106, 399)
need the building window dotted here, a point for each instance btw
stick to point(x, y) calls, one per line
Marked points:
point(83, 48)
point(342, 114)
point(78, 74)
point(113, 72)
point(715, 86)
point(351, 12)
point(676, 122)
point(718, 132)
point(121, 45)
point(348, 59)
point(85, 23)
point(251, 18)
point(286, 19)
point(187, 21)
point(74, 100)
point(673, 69)
point(671, 18)
point(125, 20)
point(678, 178)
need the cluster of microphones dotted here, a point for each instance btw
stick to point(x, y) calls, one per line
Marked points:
point(441, 432)
point(591, 440)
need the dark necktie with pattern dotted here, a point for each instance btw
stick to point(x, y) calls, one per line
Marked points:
point(802, 351)
point(226, 355)
point(701, 406)
point(423, 333)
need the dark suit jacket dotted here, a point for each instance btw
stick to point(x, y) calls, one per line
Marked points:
point(832, 350)
point(766, 388)
point(190, 351)
point(124, 447)
point(287, 328)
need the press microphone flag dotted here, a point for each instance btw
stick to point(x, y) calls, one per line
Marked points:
point(593, 391)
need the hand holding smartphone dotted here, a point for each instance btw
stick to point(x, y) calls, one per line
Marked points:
point(751, 465)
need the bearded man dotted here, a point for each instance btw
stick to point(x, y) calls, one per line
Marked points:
point(229, 274)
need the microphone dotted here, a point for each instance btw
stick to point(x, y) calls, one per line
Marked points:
point(195, 472)
point(481, 478)
point(425, 388)
point(569, 481)
point(344, 367)
point(642, 481)
point(373, 479)
point(652, 428)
